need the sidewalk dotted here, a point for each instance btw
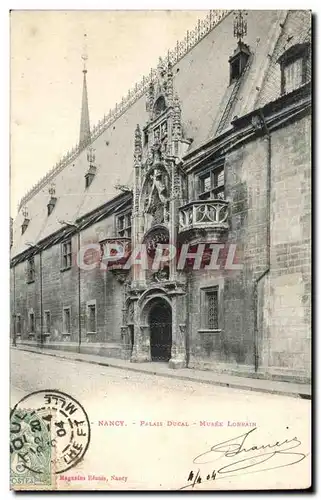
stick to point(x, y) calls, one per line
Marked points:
point(207, 377)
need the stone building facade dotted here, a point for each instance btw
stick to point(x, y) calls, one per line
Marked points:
point(187, 237)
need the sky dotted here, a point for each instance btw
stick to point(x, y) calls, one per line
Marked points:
point(46, 76)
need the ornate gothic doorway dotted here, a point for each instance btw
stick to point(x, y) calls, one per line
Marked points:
point(160, 324)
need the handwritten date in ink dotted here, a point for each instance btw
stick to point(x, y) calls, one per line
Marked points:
point(196, 478)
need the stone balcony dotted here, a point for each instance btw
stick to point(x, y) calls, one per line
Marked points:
point(206, 219)
point(114, 254)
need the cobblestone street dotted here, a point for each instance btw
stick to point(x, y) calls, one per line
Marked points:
point(152, 428)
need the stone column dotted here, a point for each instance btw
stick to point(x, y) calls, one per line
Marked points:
point(139, 274)
point(178, 354)
point(145, 332)
point(173, 208)
point(141, 348)
point(126, 346)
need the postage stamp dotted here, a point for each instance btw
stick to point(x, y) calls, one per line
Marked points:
point(30, 449)
point(49, 434)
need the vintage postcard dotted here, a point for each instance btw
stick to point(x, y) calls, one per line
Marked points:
point(160, 268)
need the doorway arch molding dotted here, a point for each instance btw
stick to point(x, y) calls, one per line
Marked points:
point(148, 299)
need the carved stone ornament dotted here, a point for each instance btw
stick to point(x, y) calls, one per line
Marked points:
point(155, 196)
point(157, 236)
point(161, 275)
point(138, 146)
point(120, 274)
point(160, 92)
point(130, 313)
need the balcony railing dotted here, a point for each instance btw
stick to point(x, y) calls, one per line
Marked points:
point(204, 214)
point(115, 251)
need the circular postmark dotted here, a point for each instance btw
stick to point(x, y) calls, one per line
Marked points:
point(49, 433)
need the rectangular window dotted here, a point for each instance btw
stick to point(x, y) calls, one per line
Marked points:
point(18, 325)
point(209, 308)
point(91, 318)
point(31, 322)
point(124, 224)
point(66, 255)
point(66, 320)
point(219, 178)
point(160, 132)
point(212, 309)
point(47, 324)
point(31, 270)
point(205, 183)
point(211, 184)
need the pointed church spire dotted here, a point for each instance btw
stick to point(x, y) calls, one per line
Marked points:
point(84, 135)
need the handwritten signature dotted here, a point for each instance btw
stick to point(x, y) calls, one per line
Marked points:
point(277, 454)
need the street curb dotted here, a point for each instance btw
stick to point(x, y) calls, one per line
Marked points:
point(174, 375)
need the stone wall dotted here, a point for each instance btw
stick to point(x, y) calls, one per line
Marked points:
point(60, 289)
point(286, 328)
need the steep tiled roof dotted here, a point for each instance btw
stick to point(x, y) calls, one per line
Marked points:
point(201, 80)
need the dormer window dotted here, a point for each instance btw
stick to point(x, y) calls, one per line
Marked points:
point(51, 205)
point(90, 175)
point(53, 199)
point(88, 179)
point(26, 220)
point(294, 64)
point(91, 172)
point(238, 61)
point(24, 225)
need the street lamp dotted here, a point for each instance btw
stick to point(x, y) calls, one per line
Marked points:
point(35, 245)
point(76, 226)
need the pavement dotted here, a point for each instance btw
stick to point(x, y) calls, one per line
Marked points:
point(154, 433)
point(189, 374)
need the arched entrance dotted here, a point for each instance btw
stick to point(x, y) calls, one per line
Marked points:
point(160, 327)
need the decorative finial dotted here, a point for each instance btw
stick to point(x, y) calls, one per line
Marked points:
point(138, 135)
point(91, 155)
point(25, 212)
point(240, 25)
point(52, 189)
point(177, 106)
point(160, 67)
point(85, 54)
